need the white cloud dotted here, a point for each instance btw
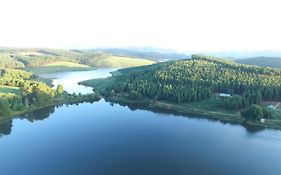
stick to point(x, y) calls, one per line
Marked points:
point(195, 25)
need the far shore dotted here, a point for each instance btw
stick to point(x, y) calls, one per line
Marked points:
point(196, 112)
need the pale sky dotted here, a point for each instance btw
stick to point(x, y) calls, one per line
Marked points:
point(183, 25)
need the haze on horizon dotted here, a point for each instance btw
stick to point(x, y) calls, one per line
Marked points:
point(194, 25)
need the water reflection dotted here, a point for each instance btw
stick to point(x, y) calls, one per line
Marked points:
point(6, 127)
point(133, 107)
point(39, 115)
point(252, 129)
point(101, 139)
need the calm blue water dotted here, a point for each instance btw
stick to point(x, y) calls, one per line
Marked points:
point(106, 139)
point(102, 139)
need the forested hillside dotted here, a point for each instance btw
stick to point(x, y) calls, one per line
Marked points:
point(200, 78)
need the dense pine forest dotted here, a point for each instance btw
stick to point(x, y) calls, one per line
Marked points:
point(199, 78)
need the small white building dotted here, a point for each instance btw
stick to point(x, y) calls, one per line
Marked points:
point(271, 107)
point(224, 95)
point(262, 120)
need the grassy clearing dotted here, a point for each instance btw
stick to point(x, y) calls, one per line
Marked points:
point(98, 84)
point(117, 61)
point(35, 53)
point(201, 108)
point(59, 66)
point(66, 64)
point(9, 89)
point(212, 104)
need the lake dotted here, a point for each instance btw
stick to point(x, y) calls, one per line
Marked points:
point(109, 139)
point(70, 80)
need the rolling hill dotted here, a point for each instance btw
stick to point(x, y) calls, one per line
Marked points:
point(59, 66)
point(153, 54)
point(55, 60)
point(118, 61)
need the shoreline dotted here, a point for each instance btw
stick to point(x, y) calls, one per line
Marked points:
point(58, 102)
point(157, 106)
point(195, 112)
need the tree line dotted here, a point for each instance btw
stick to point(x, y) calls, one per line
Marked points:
point(33, 93)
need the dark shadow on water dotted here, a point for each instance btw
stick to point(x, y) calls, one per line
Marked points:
point(6, 127)
point(252, 129)
point(39, 115)
point(145, 107)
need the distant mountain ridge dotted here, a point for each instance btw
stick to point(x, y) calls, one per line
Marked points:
point(273, 62)
point(158, 55)
point(59, 59)
point(127, 56)
point(236, 54)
